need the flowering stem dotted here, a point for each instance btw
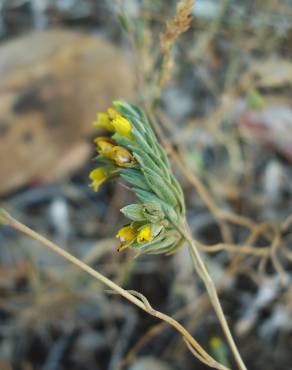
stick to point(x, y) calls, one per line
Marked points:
point(211, 289)
point(136, 298)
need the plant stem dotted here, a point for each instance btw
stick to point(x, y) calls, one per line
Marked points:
point(211, 289)
point(141, 301)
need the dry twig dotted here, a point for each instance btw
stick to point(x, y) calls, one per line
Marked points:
point(192, 344)
point(179, 24)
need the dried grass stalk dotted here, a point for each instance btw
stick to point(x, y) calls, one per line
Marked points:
point(179, 24)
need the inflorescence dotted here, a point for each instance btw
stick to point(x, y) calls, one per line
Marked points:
point(133, 153)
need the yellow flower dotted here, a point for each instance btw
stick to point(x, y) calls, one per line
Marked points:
point(144, 235)
point(104, 146)
point(98, 176)
point(114, 121)
point(122, 126)
point(122, 156)
point(104, 121)
point(126, 235)
point(112, 113)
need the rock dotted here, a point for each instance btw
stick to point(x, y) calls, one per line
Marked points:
point(51, 86)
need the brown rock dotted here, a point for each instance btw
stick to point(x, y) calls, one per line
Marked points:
point(52, 84)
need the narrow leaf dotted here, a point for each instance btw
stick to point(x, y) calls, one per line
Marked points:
point(134, 212)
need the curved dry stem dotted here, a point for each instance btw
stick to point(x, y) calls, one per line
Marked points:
point(211, 289)
point(234, 248)
point(137, 299)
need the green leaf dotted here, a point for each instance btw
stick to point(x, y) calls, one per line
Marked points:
point(141, 142)
point(160, 187)
point(160, 245)
point(124, 107)
point(142, 116)
point(122, 140)
point(146, 196)
point(156, 229)
point(152, 212)
point(145, 161)
point(134, 212)
point(134, 177)
point(161, 164)
point(137, 123)
point(178, 192)
point(163, 156)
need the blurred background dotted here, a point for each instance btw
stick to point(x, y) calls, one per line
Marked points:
point(220, 95)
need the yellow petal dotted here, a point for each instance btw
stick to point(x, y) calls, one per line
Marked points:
point(144, 235)
point(122, 156)
point(122, 126)
point(98, 176)
point(112, 113)
point(126, 235)
point(104, 121)
point(103, 138)
point(104, 146)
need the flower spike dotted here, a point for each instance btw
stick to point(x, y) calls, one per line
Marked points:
point(134, 153)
